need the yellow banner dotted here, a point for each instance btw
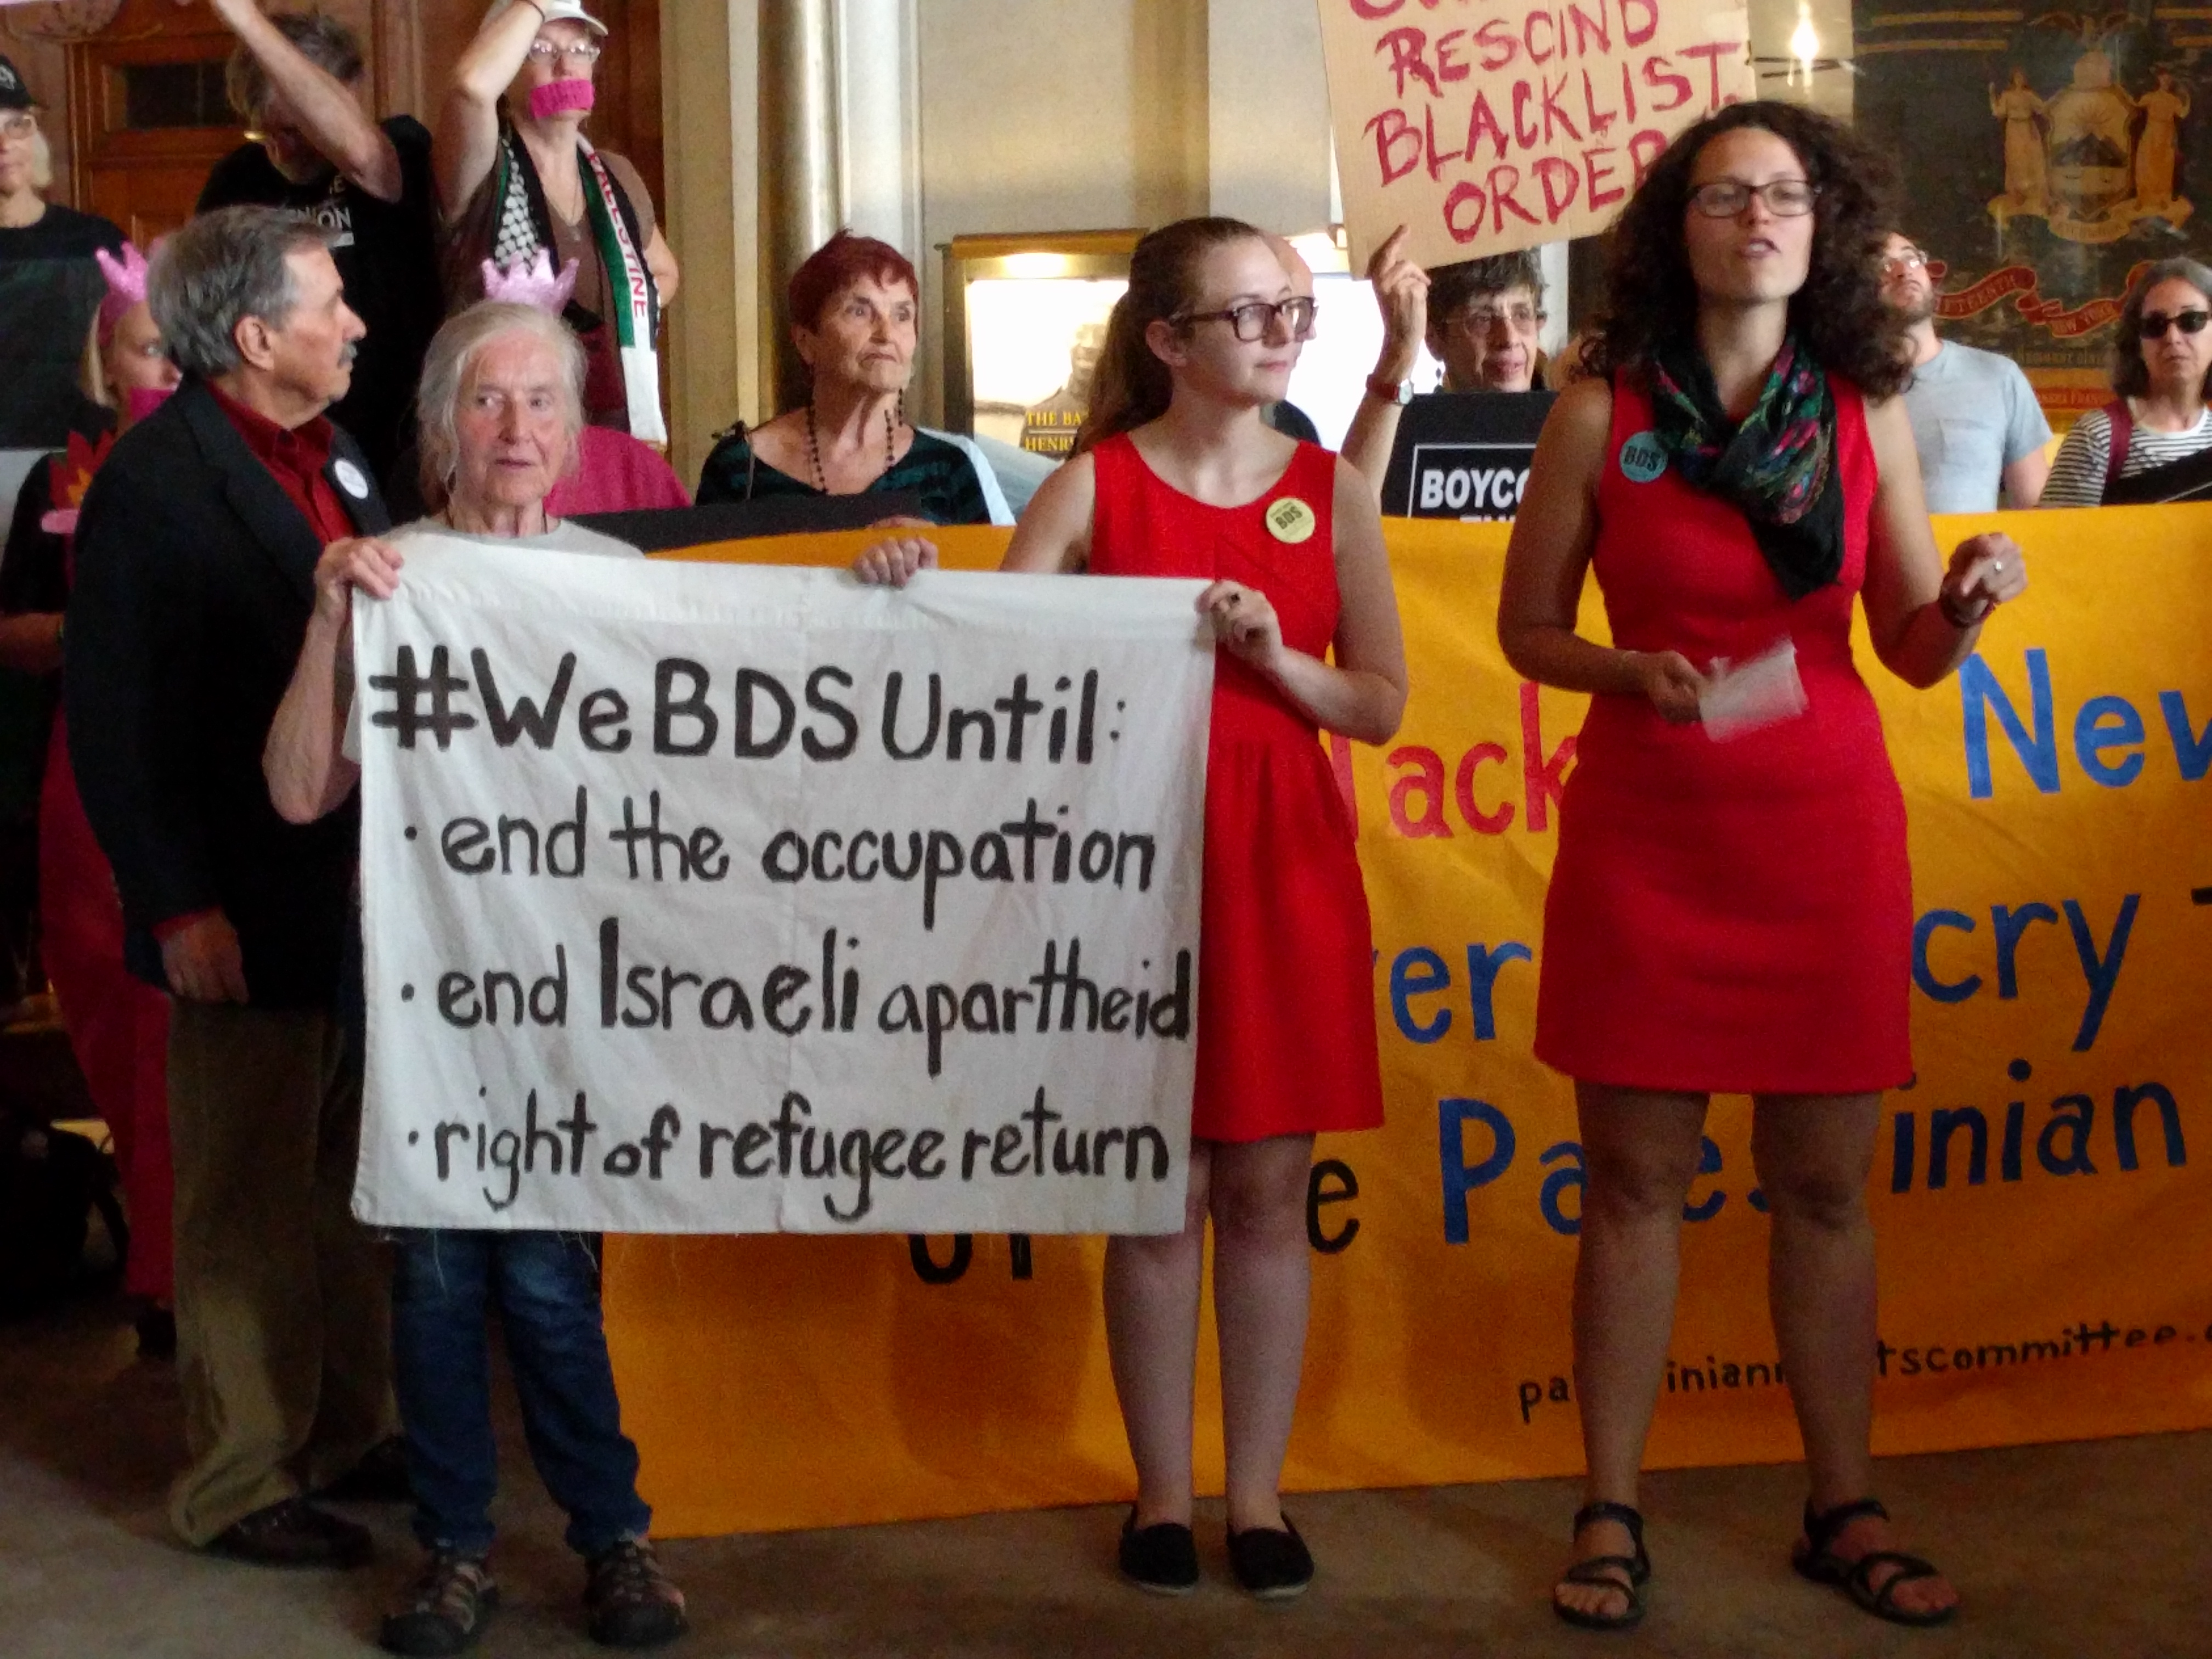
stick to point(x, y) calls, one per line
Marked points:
point(2041, 1192)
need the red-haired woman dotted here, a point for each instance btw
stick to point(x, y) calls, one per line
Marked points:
point(1174, 474)
point(854, 309)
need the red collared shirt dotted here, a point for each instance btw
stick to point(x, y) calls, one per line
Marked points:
point(295, 459)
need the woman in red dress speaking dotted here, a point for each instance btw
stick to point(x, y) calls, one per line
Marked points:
point(1731, 909)
point(1174, 474)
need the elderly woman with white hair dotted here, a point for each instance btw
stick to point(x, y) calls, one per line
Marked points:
point(500, 410)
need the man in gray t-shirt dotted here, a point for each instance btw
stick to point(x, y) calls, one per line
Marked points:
point(1975, 419)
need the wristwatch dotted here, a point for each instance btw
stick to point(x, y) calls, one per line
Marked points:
point(1389, 392)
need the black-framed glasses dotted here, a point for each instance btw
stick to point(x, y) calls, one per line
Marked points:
point(1250, 319)
point(2155, 323)
point(1723, 198)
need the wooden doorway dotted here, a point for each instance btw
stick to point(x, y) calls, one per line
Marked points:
point(148, 117)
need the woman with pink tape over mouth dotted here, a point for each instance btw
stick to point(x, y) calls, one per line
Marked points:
point(518, 177)
point(118, 1027)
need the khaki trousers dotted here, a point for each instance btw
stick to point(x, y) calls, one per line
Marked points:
point(283, 1320)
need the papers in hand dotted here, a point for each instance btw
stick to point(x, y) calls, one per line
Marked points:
point(1746, 696)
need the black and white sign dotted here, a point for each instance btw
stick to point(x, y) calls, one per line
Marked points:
point(1464, 454)
point(711, 898)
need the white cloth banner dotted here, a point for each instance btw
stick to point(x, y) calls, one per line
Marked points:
point(717, 898)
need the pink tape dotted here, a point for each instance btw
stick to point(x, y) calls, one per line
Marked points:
point(559, 97)
point(145, 399)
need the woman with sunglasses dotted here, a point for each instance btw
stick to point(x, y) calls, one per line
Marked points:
point(1174, 474)
point(1731, 912)
point(2151, 440)
point(518, 176)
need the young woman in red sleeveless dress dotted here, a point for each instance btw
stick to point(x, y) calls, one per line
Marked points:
point(1731, 911)
point(1175, 475)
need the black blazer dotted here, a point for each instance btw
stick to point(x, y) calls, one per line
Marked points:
point(194, 582)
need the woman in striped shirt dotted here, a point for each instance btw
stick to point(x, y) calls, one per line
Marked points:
point(2139, 447)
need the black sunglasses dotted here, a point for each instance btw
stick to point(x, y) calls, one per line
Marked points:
point(2155, 323)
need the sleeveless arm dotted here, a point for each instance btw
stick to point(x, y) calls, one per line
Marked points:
point(1053, 535)
point(1548, 558)
point(1906, 573)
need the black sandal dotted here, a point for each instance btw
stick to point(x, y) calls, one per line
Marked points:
point(1596, 1570)
point(1816, 1559)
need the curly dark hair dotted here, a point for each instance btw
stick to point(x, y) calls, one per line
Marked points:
point(1838, 312)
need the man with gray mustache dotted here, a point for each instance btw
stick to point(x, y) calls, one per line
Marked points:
point(196, 555)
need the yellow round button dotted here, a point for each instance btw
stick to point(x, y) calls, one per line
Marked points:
point(1290, 520)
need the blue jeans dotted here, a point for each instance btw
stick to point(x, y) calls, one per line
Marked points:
point(546, 1287)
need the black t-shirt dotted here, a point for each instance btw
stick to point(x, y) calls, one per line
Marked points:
point(387, 256)
point(50, 290)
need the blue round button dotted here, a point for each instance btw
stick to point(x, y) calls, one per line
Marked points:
point(1642, 459)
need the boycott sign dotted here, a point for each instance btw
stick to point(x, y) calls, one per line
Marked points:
point(727, 899)
point(1486, 125)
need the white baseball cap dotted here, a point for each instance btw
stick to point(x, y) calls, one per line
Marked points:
point(555, 11)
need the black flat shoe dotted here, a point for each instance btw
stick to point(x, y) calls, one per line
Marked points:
point(1624, 1575)
point(1162, 1558)
point(1272, 1564)
point(295, 1533)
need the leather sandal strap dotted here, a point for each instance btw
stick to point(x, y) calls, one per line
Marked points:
point(1910, 1569)
point(1631, 1519)
point(1822, 1530)
point(1591, 1570)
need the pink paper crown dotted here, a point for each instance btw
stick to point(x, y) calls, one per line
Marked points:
point(534, 284)
point(126, 286)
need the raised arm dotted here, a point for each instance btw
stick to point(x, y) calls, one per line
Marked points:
point(468, 122)
point(660, 260)
point(1401, 294)
point(304, 759)
point(330, 116)
point(1924, 620)
point(1549, 556)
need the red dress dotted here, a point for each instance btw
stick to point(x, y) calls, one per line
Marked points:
point(1285, 1012)
point(1729, 917)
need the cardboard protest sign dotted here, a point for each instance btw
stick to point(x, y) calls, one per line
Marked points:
point(1486, 125)
point(710, 899)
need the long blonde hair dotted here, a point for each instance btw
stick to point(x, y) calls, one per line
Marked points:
point(1130, 385)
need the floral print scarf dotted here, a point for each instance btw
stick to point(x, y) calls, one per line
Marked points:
point(1777, 467)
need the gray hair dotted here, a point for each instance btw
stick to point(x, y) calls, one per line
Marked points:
point(324, 41)
point(449, 373)
point(219, 269)
point(1455, 286)
point(42, 160)
point(2130, 375)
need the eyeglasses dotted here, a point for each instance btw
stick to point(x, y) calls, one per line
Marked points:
point(1724, 198)
point(18, 127)
point(1484, 319)
point(2155, 323)
point(547, 52)
point(1905, 259)
point(1251, 319)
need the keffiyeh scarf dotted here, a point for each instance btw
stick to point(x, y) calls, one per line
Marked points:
point(522, 224)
